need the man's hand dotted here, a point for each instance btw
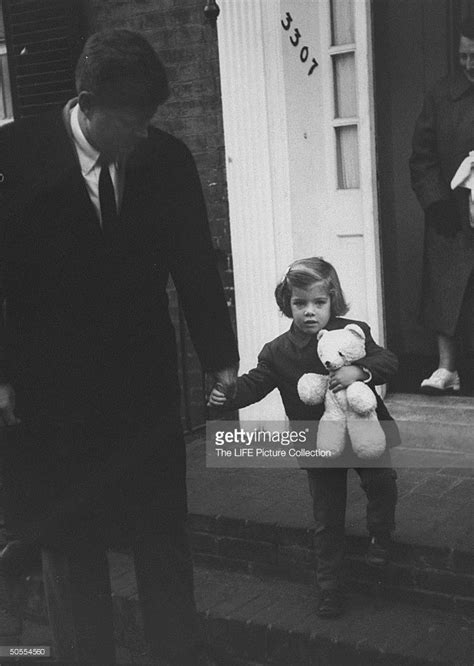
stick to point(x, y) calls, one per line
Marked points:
point(226, 380)
point(344, 377)
point(7, 406)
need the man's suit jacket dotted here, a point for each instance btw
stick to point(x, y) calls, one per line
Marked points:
point(81, 315)
point(88, 333)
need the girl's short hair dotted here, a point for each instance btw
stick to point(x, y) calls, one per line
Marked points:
point(304, 273)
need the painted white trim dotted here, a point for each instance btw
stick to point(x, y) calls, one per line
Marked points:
point(257, 174)
point(368, 167)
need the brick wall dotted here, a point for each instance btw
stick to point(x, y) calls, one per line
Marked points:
point(187, 45)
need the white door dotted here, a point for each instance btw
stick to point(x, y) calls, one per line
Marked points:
point(297, 98)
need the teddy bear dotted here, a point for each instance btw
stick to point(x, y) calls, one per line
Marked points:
point(352, 410)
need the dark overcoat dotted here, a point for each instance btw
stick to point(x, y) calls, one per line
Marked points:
point(443, 137)
point(90, 348)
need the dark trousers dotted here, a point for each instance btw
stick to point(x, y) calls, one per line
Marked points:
point(328, 489)
point(78, 595)
point(127, 487)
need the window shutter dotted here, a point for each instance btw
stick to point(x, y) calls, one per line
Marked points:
point(44, 38)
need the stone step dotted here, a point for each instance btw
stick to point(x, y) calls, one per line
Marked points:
point(423, 575)
point(443, 423)
point(433, 403)
point(275, 622)
point(255, 620)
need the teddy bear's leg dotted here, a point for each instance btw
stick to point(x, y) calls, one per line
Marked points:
point(365, 432)
point(366, 435)
point(332, 427)
point(361, 398)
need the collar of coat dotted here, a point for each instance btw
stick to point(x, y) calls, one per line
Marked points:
point(301, 340)
point(52, 143)
point(460, 85)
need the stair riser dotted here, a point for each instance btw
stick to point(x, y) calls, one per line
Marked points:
point(227, 537)
point(371, 583)
point(272, 645)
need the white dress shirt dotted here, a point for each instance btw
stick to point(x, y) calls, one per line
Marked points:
point(90, 168)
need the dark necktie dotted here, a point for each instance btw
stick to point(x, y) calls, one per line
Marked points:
point(108, 207)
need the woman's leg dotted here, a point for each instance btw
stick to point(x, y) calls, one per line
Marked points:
point(445, 378)
point(447, 352)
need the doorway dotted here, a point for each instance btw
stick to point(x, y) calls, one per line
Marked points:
point(415, 44)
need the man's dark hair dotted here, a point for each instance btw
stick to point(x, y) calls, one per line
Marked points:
point(467, 28)
point(120, 68)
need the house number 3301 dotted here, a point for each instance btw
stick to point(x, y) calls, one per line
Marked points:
point(295, 37)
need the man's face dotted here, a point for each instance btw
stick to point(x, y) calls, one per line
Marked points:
point(466, 57)
point(115, 132)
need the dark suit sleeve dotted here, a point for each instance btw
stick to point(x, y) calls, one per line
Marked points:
point(425, 168)
point(382, 363)
point(193, 266)
point(256, 384)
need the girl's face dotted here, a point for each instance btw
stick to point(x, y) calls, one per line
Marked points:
point(310, 308)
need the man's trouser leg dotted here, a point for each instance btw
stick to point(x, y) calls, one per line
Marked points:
point(164, 571)
point(328, 489)
point(79, 601)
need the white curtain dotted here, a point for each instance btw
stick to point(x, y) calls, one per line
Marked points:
point(342, 18)
point(347, 157)
point(345, 85)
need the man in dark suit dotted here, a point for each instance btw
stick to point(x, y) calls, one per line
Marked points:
point(98, 209)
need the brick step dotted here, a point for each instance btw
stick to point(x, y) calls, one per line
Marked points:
point(256, 620)
point(275, 622)
point(422, 575)
point(443, 423)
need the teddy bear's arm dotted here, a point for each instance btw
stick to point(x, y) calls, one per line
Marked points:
point(312, 388)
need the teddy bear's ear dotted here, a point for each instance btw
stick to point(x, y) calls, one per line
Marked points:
point(356, 330)
point(321, 333)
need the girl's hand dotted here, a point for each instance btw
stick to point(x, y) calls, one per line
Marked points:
point(344, 377)
point(217, 397)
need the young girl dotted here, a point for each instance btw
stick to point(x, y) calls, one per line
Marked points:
point(311, 295)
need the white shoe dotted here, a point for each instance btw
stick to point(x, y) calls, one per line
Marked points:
point(441, 381)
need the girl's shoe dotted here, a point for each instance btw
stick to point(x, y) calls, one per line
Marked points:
point(378, 552)
point(441, 381)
